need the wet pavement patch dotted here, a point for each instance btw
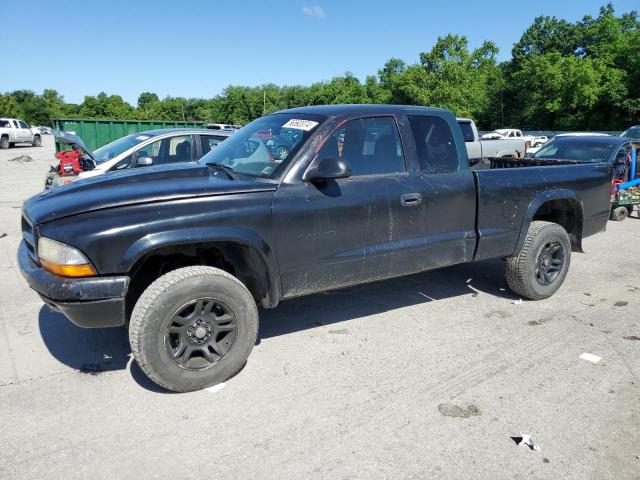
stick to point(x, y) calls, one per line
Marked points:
point(631, 337)
point(90, 369)
point(533, 323)
point(621, 303)
point(450, 410)
point(21, 159)
point(498, 314)
point(342, 331)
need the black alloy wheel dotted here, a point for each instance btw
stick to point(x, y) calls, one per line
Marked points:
point(549, 263)
point(201, 333)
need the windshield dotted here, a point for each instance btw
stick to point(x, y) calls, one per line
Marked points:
point(633, 132)
point(115, 148)
point(264, 147)
point(577, 148)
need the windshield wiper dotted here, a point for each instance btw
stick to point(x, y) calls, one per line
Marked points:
point(224, 168)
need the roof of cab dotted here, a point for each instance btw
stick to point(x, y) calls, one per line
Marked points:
point(347, 109)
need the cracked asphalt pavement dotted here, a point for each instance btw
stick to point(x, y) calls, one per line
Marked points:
point(424, 376)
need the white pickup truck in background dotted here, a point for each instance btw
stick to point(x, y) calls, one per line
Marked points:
point(14, 131)
point(486, 147)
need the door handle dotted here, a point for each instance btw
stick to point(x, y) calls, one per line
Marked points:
point(411, 199)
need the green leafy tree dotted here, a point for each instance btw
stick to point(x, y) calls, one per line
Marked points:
point(9, 107)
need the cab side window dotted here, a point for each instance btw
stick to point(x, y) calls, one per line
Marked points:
point(209, 142)
point(371, 146)
point(435, 144)
point(180, 149)
point(467, 131)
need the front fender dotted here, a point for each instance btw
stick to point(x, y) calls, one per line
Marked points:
point(185, 236)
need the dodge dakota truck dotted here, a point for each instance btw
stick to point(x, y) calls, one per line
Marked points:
point(184, 254)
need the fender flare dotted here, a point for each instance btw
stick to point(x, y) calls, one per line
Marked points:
point(542, 198)
point(185, 236)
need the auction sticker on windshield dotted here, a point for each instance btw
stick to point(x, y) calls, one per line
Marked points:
point(305, 125)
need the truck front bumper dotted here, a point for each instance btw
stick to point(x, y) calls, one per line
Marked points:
point(89, 302)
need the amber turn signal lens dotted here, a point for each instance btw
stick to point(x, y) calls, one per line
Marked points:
point(84, 270)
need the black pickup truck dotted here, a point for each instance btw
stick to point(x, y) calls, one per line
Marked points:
point(185, 253)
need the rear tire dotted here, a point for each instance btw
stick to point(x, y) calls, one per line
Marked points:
point(618, 214)
point(37, 141)
point(193, 327)
point(542, 264)
point(4, 143)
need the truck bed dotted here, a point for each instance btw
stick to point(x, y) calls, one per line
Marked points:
point(505, 188)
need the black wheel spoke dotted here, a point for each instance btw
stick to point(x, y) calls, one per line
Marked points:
point(179, 350)
point(208, 307)
point(208, 355)
point(226, 318)
point(219, 350)
point(197, 310)
point(184, 358)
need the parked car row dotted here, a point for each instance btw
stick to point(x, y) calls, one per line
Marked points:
point(142, 149)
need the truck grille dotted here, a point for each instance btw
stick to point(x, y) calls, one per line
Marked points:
point(29, 238)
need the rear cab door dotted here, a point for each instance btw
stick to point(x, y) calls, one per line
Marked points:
point(448, 189)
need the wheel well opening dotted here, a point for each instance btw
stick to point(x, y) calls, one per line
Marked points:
point(239, 260)
point(564, 212)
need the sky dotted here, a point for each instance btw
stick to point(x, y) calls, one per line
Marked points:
point(195, 48)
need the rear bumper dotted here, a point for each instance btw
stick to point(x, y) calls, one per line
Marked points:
point(88, 302)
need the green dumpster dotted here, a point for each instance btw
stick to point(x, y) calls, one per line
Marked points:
point(96, 133)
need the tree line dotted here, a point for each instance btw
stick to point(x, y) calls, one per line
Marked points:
point(562, 75)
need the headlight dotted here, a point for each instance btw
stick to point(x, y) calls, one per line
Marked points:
point(63, 260)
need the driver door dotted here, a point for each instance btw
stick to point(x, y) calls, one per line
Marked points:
point(347, 231)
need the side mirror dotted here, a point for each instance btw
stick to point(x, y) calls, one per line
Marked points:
point(145, 161)
point(327, 168)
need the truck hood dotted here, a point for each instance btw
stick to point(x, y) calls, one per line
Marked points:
point(138, 185)
point(72, 140)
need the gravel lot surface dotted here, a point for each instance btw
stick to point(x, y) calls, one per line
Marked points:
point(427, 376)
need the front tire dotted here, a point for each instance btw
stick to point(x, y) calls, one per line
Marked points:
point(193, 327)
point(37, 141)
point(4, 143)
point(542, 264)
